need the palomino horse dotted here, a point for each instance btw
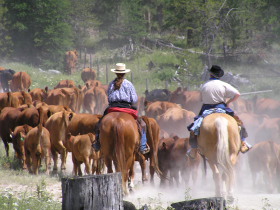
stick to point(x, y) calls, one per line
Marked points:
point(119, 138)
point(219, 141)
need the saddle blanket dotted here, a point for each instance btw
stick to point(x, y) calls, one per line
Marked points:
point(132, 112)
point(198, 121)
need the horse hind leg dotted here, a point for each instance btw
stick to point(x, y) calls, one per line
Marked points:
point(217, 179)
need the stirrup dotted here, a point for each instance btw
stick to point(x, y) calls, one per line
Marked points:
point(188, 154)
point(96, 145)
point(245, 147)
point(145, 151)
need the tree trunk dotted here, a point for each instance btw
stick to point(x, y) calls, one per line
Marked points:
point(92, 192)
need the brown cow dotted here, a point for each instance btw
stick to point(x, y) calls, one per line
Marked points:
point(29, 116)
point(22, 98)
point(83, 152)
point(8, 118)
point(95, 100)
point(269, 129)
point(88, 74)
point(175, 121)
point(37, 146)
point(72, 97)
point(164, 150)
point(8, 100)
point(83, 123)
point(242, 105)
point(21, 81)
point(65, 84)
point(190, 100)
point(57, 125)
point(18, 137)
point(70, 61)
point(268, 106)
point(157, 108)
point(264, 158)
point(180, 163)
point(39, 94)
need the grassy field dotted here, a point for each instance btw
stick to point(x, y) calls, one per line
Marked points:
point(261, 77)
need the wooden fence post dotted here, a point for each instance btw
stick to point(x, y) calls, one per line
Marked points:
point(97, 192)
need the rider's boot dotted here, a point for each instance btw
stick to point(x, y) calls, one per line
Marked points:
point(192, 152)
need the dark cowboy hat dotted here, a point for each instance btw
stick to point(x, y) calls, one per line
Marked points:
point(216, 71)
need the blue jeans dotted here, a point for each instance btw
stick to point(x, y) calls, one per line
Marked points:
point(143, 143)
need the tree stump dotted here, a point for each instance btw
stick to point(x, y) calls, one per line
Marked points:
point(92, 192)
point(217, 203)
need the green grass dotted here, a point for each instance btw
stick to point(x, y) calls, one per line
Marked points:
point(165, 62)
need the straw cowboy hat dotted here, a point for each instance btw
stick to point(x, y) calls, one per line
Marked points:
point(120, 69)
point(216, 71)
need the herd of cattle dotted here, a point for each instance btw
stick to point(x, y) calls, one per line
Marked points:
point(43, 123)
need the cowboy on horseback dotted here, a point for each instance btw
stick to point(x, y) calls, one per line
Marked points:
point(213, 95)
point(122, 94)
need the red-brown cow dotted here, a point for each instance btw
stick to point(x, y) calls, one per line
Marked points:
point(20, 98)
point(83, 152)
point(8, 119)
point(88, 74)
point(37, 146)
point(21, 81)
point(190, 100)
point(95, 100)
point(175, 121)
point(268, 106)
point(70, 61)
point(83, 123)
point(65, 84)
point(264, 158)
point(164, 150)
point(157, 108)
point(180, 163)
point(39, 94)
point(18, 137)
point(57, 125)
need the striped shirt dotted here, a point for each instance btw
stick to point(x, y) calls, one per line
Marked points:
point(126, 93)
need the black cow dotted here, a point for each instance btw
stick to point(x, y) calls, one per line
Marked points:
point(5, 76)
point(157, 95)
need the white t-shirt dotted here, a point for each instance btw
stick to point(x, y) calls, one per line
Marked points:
point(216, 91)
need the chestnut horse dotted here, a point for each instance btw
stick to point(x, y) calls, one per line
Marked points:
point(119, 138)
point(153, 142)
point(219, 141)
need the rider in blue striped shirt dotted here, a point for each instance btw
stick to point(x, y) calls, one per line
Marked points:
point(121, 93)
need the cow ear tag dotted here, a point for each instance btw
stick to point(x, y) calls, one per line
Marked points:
point(21, 138)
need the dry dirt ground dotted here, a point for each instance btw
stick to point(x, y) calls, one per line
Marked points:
point(245, 197)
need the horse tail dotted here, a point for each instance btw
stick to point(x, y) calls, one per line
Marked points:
point(119, 146)
point(223, 156)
